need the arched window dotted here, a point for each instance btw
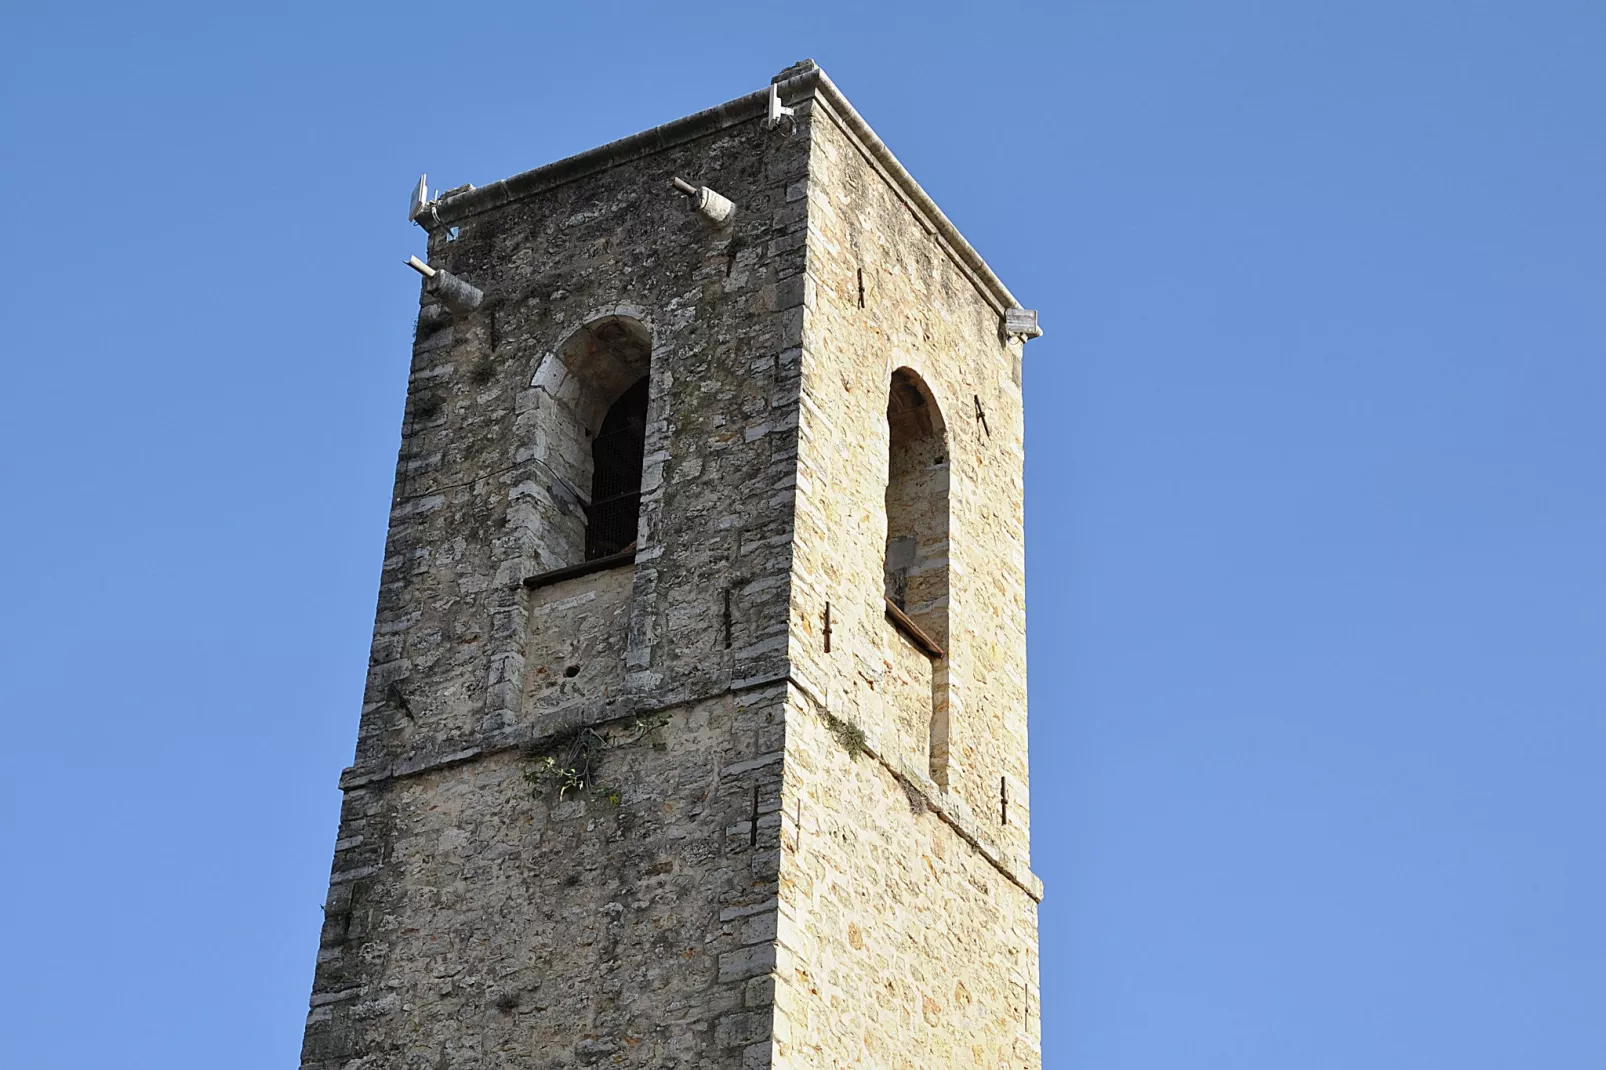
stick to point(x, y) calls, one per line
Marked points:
point(587, 426)
point(616, 454)
point(916, 561)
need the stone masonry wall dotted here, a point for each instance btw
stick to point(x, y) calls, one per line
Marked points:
point(750, 863)
point(909, 939)
point(470, 924)
point(900, 945)
point(566, 667)
point(920, 312)
point(625, 925)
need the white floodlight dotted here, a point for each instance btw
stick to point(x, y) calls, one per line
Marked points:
point(778, 111)
point(420, 199)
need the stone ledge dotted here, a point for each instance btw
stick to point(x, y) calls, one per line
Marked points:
point(948, 807)
point(584, 568)
point(559, 722)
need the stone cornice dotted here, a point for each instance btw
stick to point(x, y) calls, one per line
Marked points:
point(552, 724)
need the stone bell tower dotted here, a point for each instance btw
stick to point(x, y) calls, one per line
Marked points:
point(695, 725)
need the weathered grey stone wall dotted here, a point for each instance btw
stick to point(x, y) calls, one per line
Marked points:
point(478, 504)
point(470, 924)
point(568, 668)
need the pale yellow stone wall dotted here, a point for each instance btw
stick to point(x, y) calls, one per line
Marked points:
point(900, 946)
point(900, 703)
point(908, 934)
point(922, 313)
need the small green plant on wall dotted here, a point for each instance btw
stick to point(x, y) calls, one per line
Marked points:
point(568, 764)
point(850, 735)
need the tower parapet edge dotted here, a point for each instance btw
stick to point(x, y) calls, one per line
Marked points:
point(613, 801)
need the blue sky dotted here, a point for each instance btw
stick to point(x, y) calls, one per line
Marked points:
point(1317, 537)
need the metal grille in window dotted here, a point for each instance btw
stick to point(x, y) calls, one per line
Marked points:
point(616, 475)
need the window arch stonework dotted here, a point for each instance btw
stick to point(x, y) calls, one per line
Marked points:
point(589, 439)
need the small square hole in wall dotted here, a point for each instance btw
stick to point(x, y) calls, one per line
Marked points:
point(451, 234)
